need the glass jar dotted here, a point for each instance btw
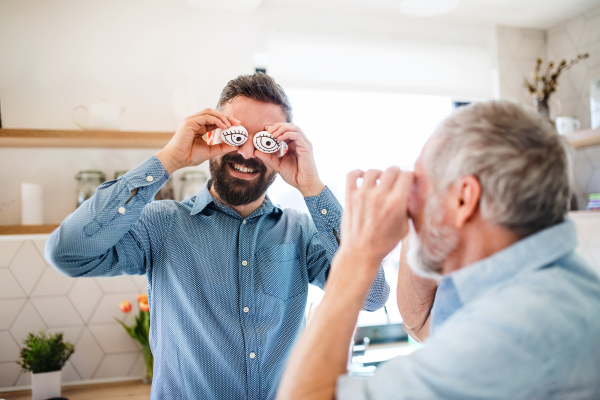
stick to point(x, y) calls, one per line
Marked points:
point(120, 173)
point(192, 183)
point(87, 183)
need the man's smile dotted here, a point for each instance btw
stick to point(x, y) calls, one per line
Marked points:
point(241, 171)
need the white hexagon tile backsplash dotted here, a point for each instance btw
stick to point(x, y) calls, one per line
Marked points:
point(34, 296)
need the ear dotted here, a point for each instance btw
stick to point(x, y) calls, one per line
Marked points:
point(466, 199)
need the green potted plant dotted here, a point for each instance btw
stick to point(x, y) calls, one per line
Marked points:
point(44, 355)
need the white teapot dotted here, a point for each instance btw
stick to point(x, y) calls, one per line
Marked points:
point(100, 115)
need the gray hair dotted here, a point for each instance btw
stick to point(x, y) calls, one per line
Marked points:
point(260, 87)
point(521, 163)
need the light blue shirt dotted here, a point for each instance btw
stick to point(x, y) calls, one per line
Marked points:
point(521, 324)
point(227, 294)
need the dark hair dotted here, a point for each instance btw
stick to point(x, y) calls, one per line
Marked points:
point(258, 86)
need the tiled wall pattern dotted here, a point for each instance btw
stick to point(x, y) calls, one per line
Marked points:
point(518, 50)
point(34, 296)
point(578, 35)
point(586, 171)
point(588, 232)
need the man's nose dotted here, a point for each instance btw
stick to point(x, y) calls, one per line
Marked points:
point(247, 149)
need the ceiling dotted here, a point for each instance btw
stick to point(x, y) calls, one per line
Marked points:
point(522, 13)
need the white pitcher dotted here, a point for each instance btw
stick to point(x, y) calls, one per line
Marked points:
point(100, 115)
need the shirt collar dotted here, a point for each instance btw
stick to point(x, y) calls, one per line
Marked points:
point(533, 252)
point(204, 198)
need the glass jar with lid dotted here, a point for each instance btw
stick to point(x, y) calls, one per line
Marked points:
point(120, 173)
point(87, 183)
point(192, 183)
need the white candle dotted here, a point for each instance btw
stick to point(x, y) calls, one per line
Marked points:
point(32, 207)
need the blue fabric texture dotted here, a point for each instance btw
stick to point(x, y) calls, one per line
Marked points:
point(523, 323)
point(227, 295)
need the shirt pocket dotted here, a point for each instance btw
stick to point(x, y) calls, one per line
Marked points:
point(280, 271)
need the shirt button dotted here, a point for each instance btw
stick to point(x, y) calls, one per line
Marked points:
point(246, 309)
point(244, 222)
point(121, 210)
point(244, 263)
point(252, 356)
point(149, 178)
point(324, 211)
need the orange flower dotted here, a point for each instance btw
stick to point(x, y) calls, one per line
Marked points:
point(142, 298)
point(125, 306)
point(143, 306)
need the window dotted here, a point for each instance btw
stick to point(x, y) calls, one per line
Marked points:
point(350, 130)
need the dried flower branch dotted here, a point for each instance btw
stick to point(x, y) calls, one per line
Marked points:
point(542, 86)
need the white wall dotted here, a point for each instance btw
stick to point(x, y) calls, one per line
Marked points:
point(57, 54)
point(518, 49)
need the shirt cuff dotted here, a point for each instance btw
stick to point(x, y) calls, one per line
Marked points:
point(148, 178)
point(325, 210)
point(351, 388)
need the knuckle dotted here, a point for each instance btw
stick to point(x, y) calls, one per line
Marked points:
point(393, 170)
point(353, 174)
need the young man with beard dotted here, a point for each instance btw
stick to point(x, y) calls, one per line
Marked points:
point(228, 271)
point(513, 313)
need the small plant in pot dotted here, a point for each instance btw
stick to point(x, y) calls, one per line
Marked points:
point(44, 355)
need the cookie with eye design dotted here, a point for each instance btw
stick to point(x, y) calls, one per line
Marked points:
point(265, 142)
point(235, 136)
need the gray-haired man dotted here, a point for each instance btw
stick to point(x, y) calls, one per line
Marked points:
point(513, 312)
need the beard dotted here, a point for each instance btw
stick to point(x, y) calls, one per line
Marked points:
point(235, 191)
point(428, 250)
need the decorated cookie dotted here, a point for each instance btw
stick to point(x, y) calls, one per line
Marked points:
point(265, 142)
point(234, 136)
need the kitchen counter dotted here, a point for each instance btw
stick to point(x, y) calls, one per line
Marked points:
point(130, 390)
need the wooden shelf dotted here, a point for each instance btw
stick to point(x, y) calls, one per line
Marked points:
point(584, 138)
point(26, 229)
point(82, 139)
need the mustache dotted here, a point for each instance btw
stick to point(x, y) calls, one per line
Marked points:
point(252, 163)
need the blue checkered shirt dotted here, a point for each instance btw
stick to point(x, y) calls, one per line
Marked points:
point(227, 294)
point(523, 323)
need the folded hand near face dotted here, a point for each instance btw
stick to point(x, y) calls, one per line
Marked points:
point(187, 148)
point(297, 167)
point(375, 218)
